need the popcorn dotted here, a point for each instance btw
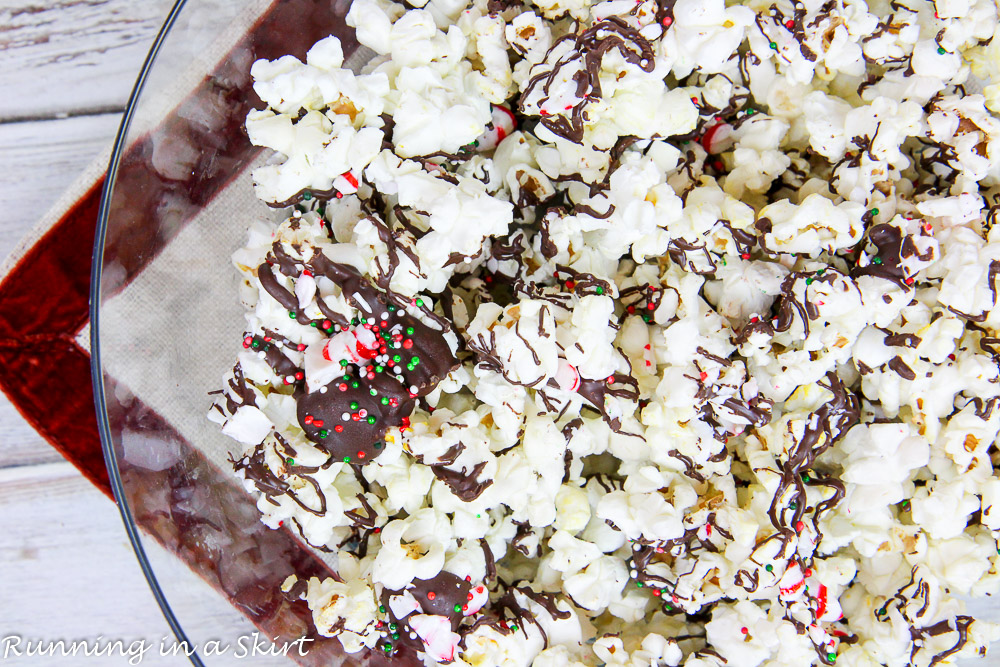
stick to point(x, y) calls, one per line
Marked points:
point(593, 313)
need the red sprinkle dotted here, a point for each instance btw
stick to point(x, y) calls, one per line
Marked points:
point(355, 417)
point(342, 386)
point(667, 21)
point(431, 595)
point(247, 342)
point(361, 455)
point(318, 423)
point(308, 419)
point(744, 631)
point(469, 597)
point(745, 256)
point(408, 343)
point(543, 112)
point(465, 607)
point(267, 339)
point(790, 24)
point(406, 421)
point(694, 98)
point(300, 376)
point(807, 573)
point(300, 347)
point(349, 177)
point(799, 526)
point(338, 428)
point(719, 165)
point(704, 376)
point(570, 284)
point(651, 306)
point(952, 357)
point(656, 592)
point(327, 324)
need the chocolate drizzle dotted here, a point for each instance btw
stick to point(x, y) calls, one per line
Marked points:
point(587, 53)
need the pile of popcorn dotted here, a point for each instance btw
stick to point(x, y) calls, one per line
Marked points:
point(634, 332)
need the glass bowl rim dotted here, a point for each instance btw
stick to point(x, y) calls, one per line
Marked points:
point(96, 367)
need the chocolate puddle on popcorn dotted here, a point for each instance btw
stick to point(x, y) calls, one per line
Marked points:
point(630, 333)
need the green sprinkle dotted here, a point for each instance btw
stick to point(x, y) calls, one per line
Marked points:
point(409, 331)
point(874, 211)
point(354, 322)
point(385, 400)
point(354, 405)
point(805, 477)
point(411, 367)
point(379, 369)
point(323, 433)
point(355, 385)
point(415, 361)
point(809, 281)
point(378, 445)
point(832, 657)
point(346, 377)
point(599, 290)
point(458, 607)
point(306, 196)
point(420, 303)
point(751, 112)
point(347, 459)
point(392, 309)
point(685, 143)
point(381, 609)
point(387, 647)
point(639, 584)
point(396, 358)
point(291, 462)
point(480, 516)
point(373, 392)
point(793, 505)
point(395, 636)
point(880, 612)
point(393, 627)
point(371, 420)
point(769, 567)
point(942, 50)
point(773, 45)
point(255, 344)
point(313, 324)
point(666, 605)
point(724, 261)
point(877, 260)
point(291, 315)
point(514, 628)
point(343, 362)
point(820, 272)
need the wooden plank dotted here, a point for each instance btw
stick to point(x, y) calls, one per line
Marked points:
point(70, 573)
point(19, 444)
point(40, 159)
point(73, 56)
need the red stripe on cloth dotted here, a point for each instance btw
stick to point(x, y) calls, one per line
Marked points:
point(44, 373)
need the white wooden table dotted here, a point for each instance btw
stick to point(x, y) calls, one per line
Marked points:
point(67, 570)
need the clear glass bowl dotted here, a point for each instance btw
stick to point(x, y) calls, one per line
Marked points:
point(165, 321)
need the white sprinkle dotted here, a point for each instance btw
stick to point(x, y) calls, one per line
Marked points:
point(413, 388)
point(346, 416)
point(322, 390)
point(261, 354)
point(371, 320)
point(633, 574)
point(397, 370)
point(297, 214)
